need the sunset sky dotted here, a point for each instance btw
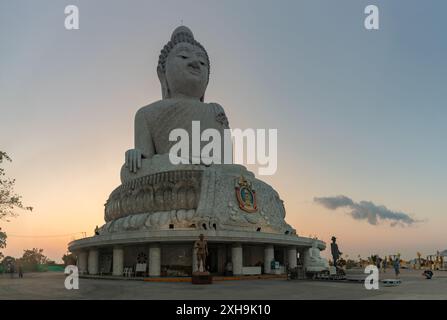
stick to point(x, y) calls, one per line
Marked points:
point(359, 113)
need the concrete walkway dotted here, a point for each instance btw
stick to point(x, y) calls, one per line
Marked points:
point(51, 286)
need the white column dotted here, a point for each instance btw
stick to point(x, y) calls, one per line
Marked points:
point(154, 260)
point(291, 257)
point(236, 258)
point(82, 262)
point(118, 261)
point(195, 266)
point(269, 256)
point(93, 259)
point(221, 259)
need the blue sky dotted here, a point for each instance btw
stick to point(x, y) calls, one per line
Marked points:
point(359, 113)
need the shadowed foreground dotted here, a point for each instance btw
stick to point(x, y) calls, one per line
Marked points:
point(51, 286)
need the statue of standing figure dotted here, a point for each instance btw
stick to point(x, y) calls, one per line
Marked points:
point(334, 251)
point(201, 250)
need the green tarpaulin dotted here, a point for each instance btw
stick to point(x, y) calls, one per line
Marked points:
point(44, 267)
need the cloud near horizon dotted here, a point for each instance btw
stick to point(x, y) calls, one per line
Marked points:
point(367, 210)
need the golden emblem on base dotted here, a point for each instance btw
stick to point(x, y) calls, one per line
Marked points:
point(246, 196)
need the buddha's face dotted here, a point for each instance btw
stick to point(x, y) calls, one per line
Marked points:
point(187, 71)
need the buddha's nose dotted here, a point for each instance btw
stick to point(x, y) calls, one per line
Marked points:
point(195, 64)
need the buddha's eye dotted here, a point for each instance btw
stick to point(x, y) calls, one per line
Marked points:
point(183, 57)
point(202, 63)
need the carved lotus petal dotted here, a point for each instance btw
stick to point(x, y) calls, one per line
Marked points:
point(155, 217)
point(164, 218)
point(173, 216)
point(125, 223)
point(139, 220)
point(190, 214)
point(133, 221)
point(148, 220)
point(181, 214)
point(251, 218)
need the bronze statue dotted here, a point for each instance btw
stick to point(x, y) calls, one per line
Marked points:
point(335, 252)
point(201, 247)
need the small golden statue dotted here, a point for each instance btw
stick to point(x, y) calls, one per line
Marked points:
point(201, 248)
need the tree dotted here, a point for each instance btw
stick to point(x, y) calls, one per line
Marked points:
point(34, 255)
point(9, 200)
point(2, 242)
point(69, 259)
point(32, 258)
point(7, 264)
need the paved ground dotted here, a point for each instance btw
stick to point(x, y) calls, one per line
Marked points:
point(51, 286)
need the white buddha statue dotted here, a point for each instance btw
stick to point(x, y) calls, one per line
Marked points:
point(312, 260)
point(156, 194)
point(183, 70)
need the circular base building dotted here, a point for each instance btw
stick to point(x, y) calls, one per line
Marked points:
point(154, 220)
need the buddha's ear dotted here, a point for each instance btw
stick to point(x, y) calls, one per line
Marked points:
point(202, 98)
point(165, 92)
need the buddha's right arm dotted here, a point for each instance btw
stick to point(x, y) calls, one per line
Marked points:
point(144, 147)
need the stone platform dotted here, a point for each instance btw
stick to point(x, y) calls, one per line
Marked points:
point(201, 278)
point(90, 249)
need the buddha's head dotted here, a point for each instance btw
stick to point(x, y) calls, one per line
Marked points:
point(183, 66)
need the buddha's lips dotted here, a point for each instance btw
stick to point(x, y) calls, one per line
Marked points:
point(194, 71)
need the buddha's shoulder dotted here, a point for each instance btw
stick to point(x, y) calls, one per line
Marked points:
point(154, 107)
point(216, 107)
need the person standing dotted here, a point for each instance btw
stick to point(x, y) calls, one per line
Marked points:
point(378, 262)
point(397, 266)
point(20, 271)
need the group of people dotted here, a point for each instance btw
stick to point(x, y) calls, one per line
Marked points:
point(11, 269)
point(381, 264)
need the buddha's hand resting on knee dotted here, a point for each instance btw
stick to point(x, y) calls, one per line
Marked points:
point(133, 159)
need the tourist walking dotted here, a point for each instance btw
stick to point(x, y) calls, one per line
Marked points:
point(20, 271)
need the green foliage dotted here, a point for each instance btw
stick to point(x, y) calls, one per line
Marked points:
point(32, 258)
point(2, 242)
point(7, 261)
point(9, 200)
point(69, 259)
point(351, 264)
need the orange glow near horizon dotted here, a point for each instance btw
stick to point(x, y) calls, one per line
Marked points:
point(63, 211)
